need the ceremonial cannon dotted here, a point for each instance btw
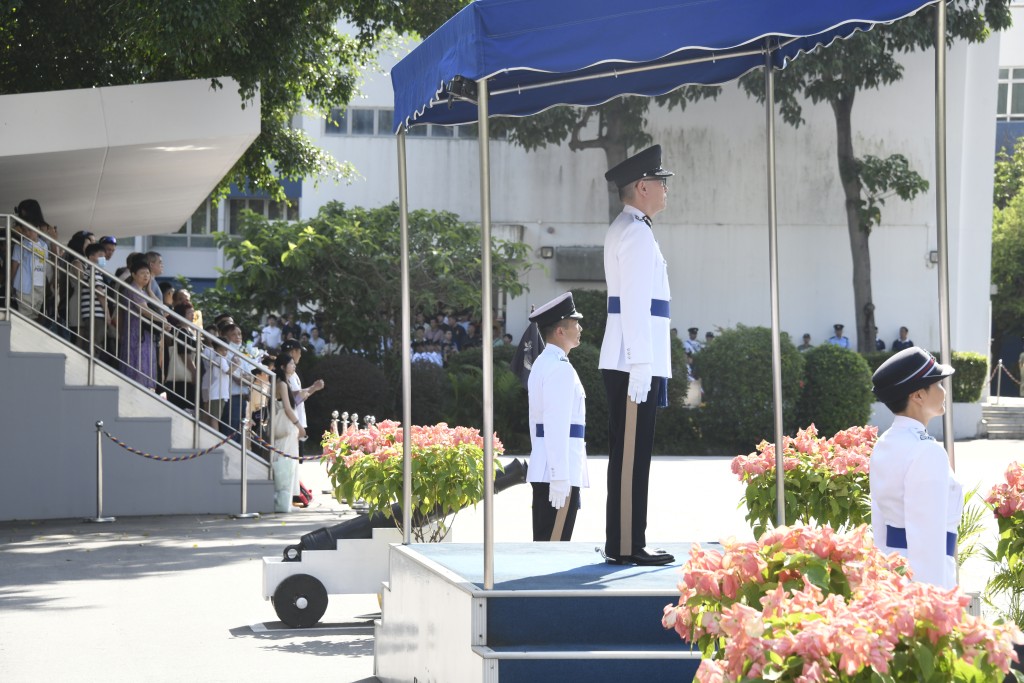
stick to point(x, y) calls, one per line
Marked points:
point(347, 558)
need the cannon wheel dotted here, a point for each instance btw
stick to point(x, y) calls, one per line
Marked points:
point(300, 600)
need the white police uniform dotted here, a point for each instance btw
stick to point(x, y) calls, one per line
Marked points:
point(557, 418)
point(638, 324)
point(916, 501)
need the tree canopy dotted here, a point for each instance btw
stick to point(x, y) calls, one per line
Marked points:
point(290, 51)
point(834, 75)
point(1009, 175)
point(345, 263)
point(1008, 244)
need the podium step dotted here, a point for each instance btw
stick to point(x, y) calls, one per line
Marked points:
point(555, 664)
point(587, 620)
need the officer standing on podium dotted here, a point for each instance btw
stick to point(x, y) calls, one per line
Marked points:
point(635, 358)
point(558, 460)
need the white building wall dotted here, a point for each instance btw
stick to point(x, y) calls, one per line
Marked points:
point(714, 232)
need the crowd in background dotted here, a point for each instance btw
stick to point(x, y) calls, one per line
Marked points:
point(149, 330)
point(439, 336)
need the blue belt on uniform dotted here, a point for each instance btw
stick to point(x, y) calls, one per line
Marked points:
point(659, 307)
point(575, 431)
point(896, 537)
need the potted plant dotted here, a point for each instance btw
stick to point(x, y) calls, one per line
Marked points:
point(826, 479)
point(809, 604)
point(1005, 588)
point(447, 471)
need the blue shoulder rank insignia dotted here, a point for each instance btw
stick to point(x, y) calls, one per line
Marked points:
point(925, 436)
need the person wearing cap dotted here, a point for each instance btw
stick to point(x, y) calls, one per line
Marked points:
point(916, 499)
point(807, 345)
point(692, 345)
point(635, 359)
point(558, 460)
point(838, 339)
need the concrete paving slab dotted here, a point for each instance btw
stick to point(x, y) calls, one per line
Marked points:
point(179, 597)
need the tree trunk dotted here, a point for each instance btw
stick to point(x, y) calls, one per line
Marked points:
point(613, 140)
point(864, 307)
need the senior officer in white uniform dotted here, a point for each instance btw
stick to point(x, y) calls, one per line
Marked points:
point(635, 358)
point(558, 461)
point(916, 499)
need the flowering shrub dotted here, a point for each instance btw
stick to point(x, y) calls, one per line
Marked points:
point(447, 471)
point(808, 604)
point(1007, 501)
point(826, 479)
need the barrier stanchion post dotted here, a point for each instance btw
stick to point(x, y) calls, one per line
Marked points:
point(245, 497)
point(999, 380)
point(99, 518)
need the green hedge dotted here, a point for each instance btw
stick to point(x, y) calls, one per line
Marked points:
point(736, 375)
point(970, 376)
point(968, 380)
point(465, 399)
point(593, 304)
point(351, 384)
point(836, 390)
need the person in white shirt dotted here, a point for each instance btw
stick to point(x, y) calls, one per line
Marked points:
point(216, 380)
point(316, 341)
point(558, 416)
point(916, 499)
point(635, 360)
point(271, 334)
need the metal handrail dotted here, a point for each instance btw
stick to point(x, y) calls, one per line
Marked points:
point(75, 278)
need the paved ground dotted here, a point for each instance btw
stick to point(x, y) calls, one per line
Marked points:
point(179, 598)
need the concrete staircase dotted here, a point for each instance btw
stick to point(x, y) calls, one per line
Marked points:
point(1004, 420)
point(49, 442)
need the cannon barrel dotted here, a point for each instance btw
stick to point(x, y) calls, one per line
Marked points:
point(362, 525)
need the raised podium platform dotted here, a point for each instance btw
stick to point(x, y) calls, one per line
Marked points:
point(557, 612)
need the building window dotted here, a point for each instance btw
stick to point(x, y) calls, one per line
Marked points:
point(275, 211)
point(196, 232)
point(337, 122)
point(363, 121)
point(1011, 94)
point(385, 119)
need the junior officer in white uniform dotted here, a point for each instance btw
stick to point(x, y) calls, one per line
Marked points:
point(635, 358)
point(916, 499)
point(558, 461)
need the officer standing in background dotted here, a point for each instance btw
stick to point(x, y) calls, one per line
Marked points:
point(838, 339)
point(692, 345)
point(635, 359)
point(558, 461)
point(916, 499)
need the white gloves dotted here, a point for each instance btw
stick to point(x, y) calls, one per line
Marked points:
point(639, 382)
point(558, 493)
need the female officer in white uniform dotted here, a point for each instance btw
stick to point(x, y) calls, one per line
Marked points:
point(558, 461)
point(916, 499)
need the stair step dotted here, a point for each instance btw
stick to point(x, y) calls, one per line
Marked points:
point(596, 621)
point(557, 665)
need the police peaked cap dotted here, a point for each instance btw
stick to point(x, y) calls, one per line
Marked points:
point(906, 372)
point(559, 308)
point(645, 164)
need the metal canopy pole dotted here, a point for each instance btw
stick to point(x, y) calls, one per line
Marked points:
point(403, 212)
point(488, 331)
point(773, 279)
point(941, 224)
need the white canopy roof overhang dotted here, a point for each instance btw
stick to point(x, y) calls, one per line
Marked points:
point(122, 160)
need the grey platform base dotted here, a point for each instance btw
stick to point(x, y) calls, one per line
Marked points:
point(557, 612)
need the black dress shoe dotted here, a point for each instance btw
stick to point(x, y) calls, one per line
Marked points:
point(643, 557)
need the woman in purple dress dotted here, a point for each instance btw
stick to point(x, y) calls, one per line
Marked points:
point(135, 328)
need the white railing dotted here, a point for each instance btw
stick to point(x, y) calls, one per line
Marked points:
point(115, 324)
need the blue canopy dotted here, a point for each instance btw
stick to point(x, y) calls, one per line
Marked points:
point(525, 47)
